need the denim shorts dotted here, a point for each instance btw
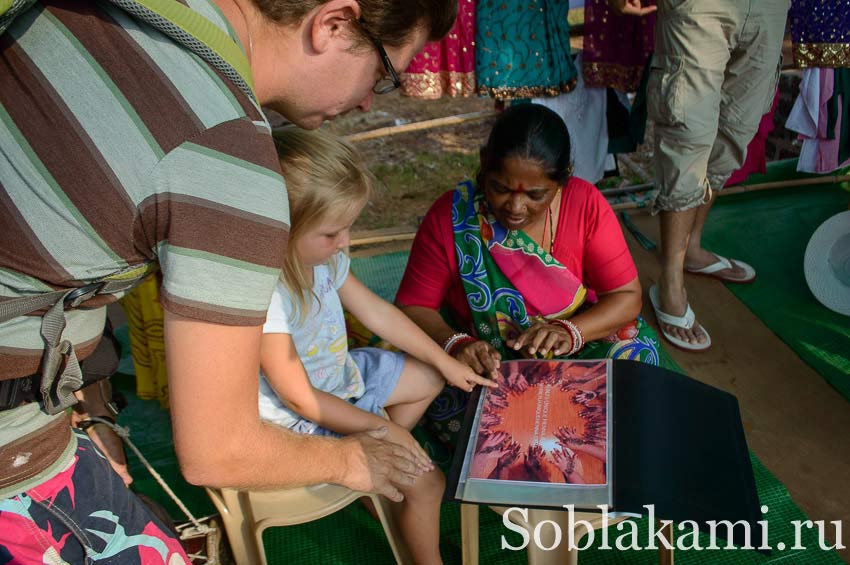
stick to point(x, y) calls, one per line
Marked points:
point(84, 514)
point(381, 370)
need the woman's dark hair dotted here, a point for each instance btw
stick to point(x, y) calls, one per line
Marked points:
point(533, 132)
point(390, 21)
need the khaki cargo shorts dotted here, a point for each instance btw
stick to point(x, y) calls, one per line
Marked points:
point(713, 76)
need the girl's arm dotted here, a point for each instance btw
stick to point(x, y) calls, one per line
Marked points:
point(288, 377)
point(387, 321)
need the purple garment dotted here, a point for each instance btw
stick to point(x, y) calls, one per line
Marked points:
point(820, 21)
point(820, 32)
point(616, 48)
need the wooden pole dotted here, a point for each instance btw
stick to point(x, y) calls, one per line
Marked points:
point(426, 124)
point(373, 239)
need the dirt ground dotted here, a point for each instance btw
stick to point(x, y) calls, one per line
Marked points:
point(395, 109)
point(414, 168)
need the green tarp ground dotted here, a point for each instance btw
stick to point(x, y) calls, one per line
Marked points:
point(770, 231)
point(351, 536)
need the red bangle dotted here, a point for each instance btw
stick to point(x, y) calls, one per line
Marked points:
point(465, 339)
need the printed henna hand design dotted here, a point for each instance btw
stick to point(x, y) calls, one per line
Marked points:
point(565, 459)
point(490, 419)
point(533, 462)
point(509, 454)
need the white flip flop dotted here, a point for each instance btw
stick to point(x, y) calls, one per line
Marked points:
point(723, 264)
point(685, 322)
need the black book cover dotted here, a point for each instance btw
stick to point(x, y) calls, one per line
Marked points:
point(677, 444)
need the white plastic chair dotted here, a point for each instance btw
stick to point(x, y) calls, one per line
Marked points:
point(246, 514)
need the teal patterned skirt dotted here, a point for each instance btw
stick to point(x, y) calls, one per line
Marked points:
point(522, 49)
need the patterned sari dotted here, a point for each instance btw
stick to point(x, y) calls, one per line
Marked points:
point(522, 49)
point(445, 67)
point(511, 283)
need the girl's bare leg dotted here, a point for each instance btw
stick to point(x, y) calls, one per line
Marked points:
point(417, 387)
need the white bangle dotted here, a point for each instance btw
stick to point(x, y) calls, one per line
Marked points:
point(575, 334)
point(449, 343)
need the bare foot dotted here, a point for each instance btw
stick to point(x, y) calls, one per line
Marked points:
point(701, 258)
point(676, 304)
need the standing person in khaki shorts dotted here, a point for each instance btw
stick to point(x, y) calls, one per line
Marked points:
point(713, 76)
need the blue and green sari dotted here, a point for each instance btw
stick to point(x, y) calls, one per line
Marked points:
point(511, 282)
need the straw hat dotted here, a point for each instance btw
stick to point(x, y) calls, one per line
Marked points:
point(827, 263)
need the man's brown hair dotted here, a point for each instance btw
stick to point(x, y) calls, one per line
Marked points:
point(390, 21)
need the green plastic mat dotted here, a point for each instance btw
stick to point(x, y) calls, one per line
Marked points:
point(770, 231)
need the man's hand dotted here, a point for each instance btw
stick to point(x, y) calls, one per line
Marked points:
point(630, 7)
point(376, 465)
point(402, 437)
point(91, 403)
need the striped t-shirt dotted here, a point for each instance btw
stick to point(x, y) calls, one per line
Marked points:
point(118, 147)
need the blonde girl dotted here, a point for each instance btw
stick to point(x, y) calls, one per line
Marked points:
point(310, 382)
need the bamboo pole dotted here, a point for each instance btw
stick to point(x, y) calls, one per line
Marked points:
point(830, 179)
point(385, 238)
point(426, 124)
point(638, 170)
point(626, 189)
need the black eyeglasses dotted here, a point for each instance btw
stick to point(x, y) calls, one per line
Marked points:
point(385, 84)
point(389, 81)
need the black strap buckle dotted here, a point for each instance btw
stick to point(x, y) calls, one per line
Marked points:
point(14, 392)
point(83, 293)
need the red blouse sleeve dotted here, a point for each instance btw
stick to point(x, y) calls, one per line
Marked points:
point(432, 268)
point(608, 264)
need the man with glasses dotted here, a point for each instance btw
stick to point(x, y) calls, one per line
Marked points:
point(123, 143)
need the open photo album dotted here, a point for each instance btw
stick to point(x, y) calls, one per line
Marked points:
point(542, 438)
point(619, 433)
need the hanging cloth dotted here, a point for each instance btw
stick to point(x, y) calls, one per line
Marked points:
point(522, 49)
point(820, 33)
point(445, 67)
point(584, 112)
point(616, 48)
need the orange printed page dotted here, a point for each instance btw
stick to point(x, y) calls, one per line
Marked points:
point(547, 422)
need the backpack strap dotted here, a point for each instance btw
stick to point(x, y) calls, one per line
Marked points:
point(196, 33)
point(61, 375)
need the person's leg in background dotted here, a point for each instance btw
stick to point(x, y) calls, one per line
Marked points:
point(748, 91)
point(684, 100)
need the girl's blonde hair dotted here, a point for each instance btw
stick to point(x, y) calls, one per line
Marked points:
point(326, 181)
